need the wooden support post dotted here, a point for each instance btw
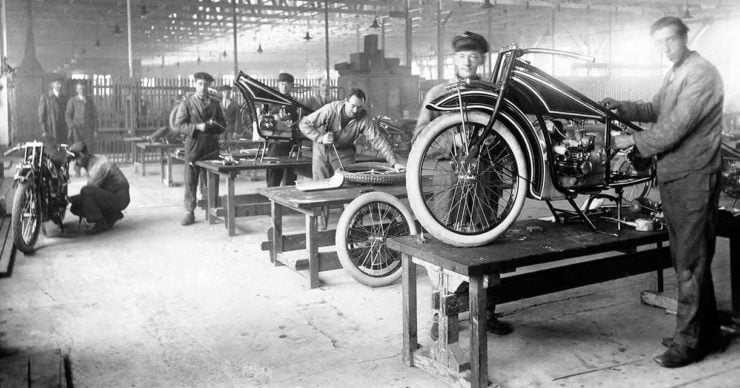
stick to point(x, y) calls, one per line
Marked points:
point(277, 232)
point(478, 334)
point(312, 248)
point(410, 340)
point(230, 205)
point(409, 40)
point(212, 189)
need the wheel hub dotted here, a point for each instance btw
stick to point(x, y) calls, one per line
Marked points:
point(379, 239)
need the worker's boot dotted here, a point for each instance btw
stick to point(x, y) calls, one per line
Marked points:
point(115, 217)
point(99, 227)
point(189, 219)
point(677, 356)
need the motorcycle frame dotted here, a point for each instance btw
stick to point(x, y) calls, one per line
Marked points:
point(514, 91)
point(32, 170)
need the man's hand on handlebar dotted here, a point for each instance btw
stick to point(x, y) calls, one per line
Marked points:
point(612, 104)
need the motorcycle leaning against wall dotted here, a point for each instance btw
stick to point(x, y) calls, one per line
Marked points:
point(521, 134)
point(41, 182)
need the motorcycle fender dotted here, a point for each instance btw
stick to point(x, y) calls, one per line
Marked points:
point(24, 174)
point(531, 138)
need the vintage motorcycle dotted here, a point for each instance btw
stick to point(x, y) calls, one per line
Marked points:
point(521, 134)
point(41, 191)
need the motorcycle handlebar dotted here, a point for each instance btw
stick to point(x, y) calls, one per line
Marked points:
point(557, 52)
point(10, 151)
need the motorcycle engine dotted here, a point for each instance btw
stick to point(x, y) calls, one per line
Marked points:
point(579, 152)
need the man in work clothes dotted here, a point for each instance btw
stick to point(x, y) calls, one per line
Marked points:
point(106, 193)
point(82, 118)
point(686, 138)
point(334, 129)
point(201, 120)
point(51, 114)
point(276, 176)
point(322, 97)
point(470, 53)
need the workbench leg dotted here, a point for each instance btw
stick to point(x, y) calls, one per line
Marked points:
point(162, 166)
point(277, 232)
point(735, 272)
point(134, 157)
point(410, 340)
point(211, 187)
point(478, 335)
point(142, 155)
point(312, 248)
point(231, 206)
point(170, 181)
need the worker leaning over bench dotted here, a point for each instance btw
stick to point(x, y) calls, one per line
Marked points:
point(334, 128)
point(686, 137)
point(470, 53)
point(200, 118)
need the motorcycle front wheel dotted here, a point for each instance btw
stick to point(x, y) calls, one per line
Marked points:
point(460, 197)
point(26, 218)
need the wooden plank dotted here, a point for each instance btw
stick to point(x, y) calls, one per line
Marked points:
point(410, 340)
point(8, 250)
point(659, 299)
point(294, 242)
point(277, 233)
point(519, 248)
point(327, 261)
point(547, 281)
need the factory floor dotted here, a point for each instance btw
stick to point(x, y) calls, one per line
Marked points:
point(153, 304)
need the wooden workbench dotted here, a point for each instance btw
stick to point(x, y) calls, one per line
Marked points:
point(232, 206)
point(310, 204)
point(165, 162)
point(483, 267)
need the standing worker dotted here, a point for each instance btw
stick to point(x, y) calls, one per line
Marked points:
point(276, 176)
point(51, 113)
point(200, 119)
point(334, 129)
point(470, 54)
point(686, 138)
point(321, 97)
point(82, 118)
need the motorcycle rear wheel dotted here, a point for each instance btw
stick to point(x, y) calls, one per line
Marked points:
point(462, 200)
point(26, 219)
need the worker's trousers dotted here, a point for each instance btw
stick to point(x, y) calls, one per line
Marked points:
point(325, 161)
point(275, 176)
point(96, 204)
point(194, 176)
point(690, 209)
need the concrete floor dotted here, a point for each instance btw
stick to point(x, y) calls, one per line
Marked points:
point(153, 304)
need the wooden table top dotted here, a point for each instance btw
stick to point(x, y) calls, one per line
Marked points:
point(519, 247)
point(293, 198)
point(218, 166)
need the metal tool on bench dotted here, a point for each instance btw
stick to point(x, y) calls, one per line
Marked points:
point(335, 182)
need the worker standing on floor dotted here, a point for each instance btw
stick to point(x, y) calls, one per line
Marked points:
point(686, 138)
point(106, 193)
point(200, 118)
point(470, 54)
point(334, 128)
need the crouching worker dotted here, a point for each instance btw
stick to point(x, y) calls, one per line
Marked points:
point(106, 194)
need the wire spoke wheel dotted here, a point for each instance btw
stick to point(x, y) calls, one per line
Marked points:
point(462, 194)
point(362, 230)
point(26, 218)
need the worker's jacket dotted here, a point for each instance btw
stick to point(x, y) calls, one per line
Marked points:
point(329, 119)
point(687, 112)
point(200, 145)
point(426, 116)
point(82, 119)
point(51, 116)
point(105, 174)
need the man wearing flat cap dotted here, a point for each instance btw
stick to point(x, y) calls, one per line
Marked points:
point(82, 117)
point(200, 119)
point(470, 53)
point(106, 193)
point(51, 114)
point(278, 176)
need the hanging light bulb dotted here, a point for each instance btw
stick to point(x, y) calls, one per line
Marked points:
point(198, 60)
point(117, 29)
point(259, 49)
point(686, 12)
point(225, 54)
point(487, 4)
point(307, 37)
point(143, 12)
point(375, 24)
